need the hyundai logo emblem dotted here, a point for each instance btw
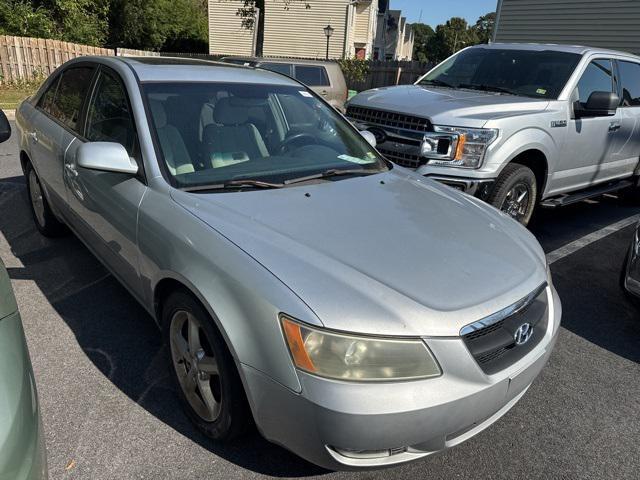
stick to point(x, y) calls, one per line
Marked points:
point(523, 334)
point(380, 134)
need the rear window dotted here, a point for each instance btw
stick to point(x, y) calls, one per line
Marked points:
point(313, 76)
point(630, 76)
point(277, 67)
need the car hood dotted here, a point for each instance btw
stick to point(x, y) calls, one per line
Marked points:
point(388, 254)
point(446, 106)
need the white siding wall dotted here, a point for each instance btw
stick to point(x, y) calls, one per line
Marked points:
point(298, 31)
point(226, 34)
point(599, 23)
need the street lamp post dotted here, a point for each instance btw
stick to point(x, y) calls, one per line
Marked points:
point(328, 31)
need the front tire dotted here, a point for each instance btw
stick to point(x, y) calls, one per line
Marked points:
point(204, 371)
point(515, 192)
point(46, 222)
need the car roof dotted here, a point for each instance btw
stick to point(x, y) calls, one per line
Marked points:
point(174, 69)
point(578, 49)
point(295, 61)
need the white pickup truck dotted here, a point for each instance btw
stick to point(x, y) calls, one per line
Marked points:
point(515, 124)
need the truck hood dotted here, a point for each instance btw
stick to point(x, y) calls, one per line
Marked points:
point(446, 106)
point(388, 254)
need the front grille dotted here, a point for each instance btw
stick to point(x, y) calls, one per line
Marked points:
point(388, 119)
point(408, 160)
point(492, 343)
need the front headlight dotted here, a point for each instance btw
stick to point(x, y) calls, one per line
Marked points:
point(355, 358)
point(467, 147)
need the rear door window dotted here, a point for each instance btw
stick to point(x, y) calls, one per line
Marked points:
point(70, 95)
point(47, 98)
point(630, 76)
point(598, 77)
point(277, 67)
point(311, 75)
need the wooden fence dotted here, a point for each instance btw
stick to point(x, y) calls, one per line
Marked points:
point(23, 59)
point(386, 73)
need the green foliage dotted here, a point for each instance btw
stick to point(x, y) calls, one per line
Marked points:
point(354, 69)
point(21, 18)
point(145, 24)
point(422, 35)
point(484, 27)
point(450, 37)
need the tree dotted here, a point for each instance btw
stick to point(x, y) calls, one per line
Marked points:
point(484, 27)
point(422, 34)
point(79, 21)
point(21, 18)
point(159, 25)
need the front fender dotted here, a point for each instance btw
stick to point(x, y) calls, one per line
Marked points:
point(243, 298)
point(525, 140)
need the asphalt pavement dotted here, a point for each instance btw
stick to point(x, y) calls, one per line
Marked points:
point(110, 411)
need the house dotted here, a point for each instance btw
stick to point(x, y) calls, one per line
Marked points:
point(227, 36)
point(394, 36)
point(597, 23)
point(361, 28)
point(298, 31)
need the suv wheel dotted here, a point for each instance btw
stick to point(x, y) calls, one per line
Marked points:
point(205, 374)
point(515, 192)
point(45, 220)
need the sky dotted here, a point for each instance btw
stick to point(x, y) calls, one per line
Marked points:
point(435, 12)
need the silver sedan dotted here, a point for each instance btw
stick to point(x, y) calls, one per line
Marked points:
point(360, 314)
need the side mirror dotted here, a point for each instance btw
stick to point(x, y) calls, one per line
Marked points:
point(106, 157)
point(5, 127)
point(369, 137)
point(599, 104)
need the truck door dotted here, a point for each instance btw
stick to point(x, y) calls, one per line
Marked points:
point(627, 148)
point(591, 141)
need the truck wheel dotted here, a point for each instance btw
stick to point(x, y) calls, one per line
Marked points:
point(515, 192)
point(46, 222)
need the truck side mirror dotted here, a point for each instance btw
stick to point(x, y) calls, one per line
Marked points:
point(5, 127)
point(599, 104)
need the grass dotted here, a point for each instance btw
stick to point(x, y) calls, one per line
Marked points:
point(12, 95)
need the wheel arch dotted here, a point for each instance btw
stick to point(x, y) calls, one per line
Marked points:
point(537, 161)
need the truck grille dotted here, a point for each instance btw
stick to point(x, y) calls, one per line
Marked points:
point(388, 119)
point(403, 159)
point(492, 343)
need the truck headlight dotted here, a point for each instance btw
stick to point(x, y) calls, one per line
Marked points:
point(354, 358)
point(467, 146)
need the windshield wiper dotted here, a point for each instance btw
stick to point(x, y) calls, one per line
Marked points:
point(334, 172)
point(486, 88)
point(233, 184)
point(436, 83)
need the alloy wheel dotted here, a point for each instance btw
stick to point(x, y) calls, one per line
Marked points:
point(196, 365)
point(37, 200)
point(516, 203)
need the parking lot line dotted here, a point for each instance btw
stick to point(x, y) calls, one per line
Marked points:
point(590, 238)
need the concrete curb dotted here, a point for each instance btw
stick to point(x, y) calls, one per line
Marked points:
point(11, 114)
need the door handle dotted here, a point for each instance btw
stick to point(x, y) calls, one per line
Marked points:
point(614, 127)
point(324, 93)
point(34, 136)
point(71, 170)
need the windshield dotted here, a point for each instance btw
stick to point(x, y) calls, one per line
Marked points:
point(216, 133)
point(537, 74)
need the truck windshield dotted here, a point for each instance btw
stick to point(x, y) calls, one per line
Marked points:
point(527, 73)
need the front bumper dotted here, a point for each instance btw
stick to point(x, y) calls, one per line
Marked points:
point(476, 187)
point(351, 426)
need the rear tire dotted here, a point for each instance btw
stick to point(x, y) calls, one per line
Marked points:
point(46, 222)
point(515, 192)
point(203, 369)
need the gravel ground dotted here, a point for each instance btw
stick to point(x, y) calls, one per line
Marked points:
point(110, 412)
